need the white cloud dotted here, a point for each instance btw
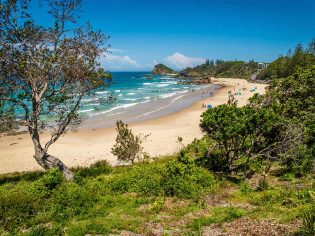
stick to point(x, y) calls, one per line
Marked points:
point(180, 61)
point(114, 62)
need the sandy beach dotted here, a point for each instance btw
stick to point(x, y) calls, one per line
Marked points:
point(86, 146)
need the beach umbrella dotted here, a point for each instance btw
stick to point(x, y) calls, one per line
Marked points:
point(209, 106)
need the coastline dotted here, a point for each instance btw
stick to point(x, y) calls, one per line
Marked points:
point(145, 111)
point(94, 140)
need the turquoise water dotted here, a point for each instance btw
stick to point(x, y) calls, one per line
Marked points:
point(129, 89)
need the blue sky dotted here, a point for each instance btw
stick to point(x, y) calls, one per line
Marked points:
point(183, 33)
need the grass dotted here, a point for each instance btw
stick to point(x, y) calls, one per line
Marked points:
point(218, 215)
point(163, 194)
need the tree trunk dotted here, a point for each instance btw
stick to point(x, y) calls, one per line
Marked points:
point(47, 162)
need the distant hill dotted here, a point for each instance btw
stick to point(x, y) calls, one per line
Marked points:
point(233, 69)
point(163, 70)
point(287, 65)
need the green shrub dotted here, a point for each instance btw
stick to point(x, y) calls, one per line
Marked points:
point(128, 147)
point(158, 204)
point(15, 177)
point(181, 178)
point(287, 177)
point(198, 148)
point(52, 178)
point(246, 188)
point(262, 184)
point(98, 168)
point(71, 199)
point(144, 179)
point(17, 206)
point(241, 137)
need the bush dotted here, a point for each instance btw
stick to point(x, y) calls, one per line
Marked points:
point(144, 179)
point(17, 206)
point(181, 178)
point(52, 178)
point(262, 184)
point(71, 199)
point(128, 146)
point(242, 137)
point(298, 161)
point(98, 168)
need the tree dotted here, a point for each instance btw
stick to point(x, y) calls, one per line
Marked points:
point(287, 65)
point(45, 71)
point(128, 146)
point(242, 137)
point(293, 98)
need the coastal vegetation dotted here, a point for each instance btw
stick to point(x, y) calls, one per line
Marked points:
point(220, 68)
point(128, 148)
point(285, 66)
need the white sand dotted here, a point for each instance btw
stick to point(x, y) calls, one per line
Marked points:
point(87, 146)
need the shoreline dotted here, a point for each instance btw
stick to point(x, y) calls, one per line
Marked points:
point(151, 110)
point(90, 144)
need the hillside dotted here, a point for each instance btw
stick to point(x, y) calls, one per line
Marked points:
point(287, 65)
point(229, 69)
point(150, 199)
point(161, 69)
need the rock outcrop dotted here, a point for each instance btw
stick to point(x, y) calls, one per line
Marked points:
point(196, 80)
point(161, 69)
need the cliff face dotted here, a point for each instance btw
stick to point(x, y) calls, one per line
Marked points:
point(162, 70)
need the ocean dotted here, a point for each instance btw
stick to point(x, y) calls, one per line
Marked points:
point(130, 89)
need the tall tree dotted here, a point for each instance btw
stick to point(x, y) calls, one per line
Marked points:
point(45, 71)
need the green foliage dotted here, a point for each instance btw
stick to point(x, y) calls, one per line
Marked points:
point(241, 137)
point(287, 177)
point(220, 215)
point(246, 188)
point(180, 178)
point(17, 207)
point(163, 69)
point(52, 179)
point(128, 147)
point(144, 179)
point(71, 199)
point(293, 99)
point(262, 184)
point(100, 167)
point(7, 119)
point(183, 179)
point(158, 204)
point(15, 177)
point(285, 66)
point(308, 221)
point(129, 197)
point(230, 69)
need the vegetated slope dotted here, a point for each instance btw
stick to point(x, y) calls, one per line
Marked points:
point(287, 65)
point(167, 196)
point(231, 69)
point(162, 70)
